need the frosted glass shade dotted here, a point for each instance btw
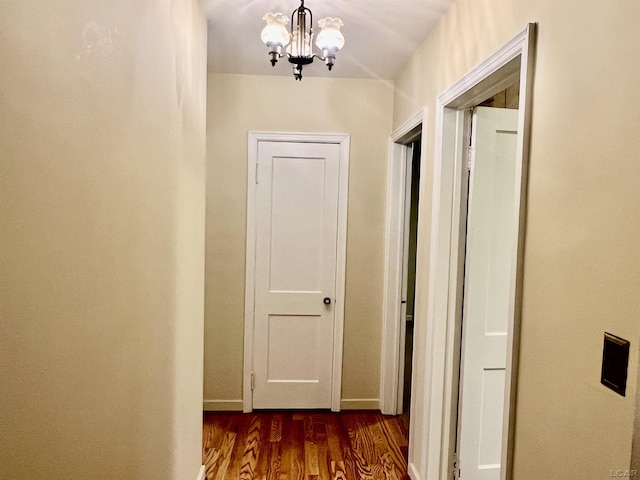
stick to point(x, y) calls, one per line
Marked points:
point(275, 32)
point(330, 37)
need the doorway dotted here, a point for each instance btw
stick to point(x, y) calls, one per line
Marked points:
point(412, 200)
point(433, 452)
point(296, 256)
point(400, 281)
point(490, 180)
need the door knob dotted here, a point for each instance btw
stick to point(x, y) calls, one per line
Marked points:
point(326, 301)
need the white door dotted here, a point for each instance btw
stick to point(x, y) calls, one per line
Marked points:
point(297, 196)
point(490, 229)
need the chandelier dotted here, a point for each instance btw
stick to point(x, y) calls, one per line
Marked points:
point(298, 42)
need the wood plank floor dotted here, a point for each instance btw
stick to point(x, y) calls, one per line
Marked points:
point(362, 445)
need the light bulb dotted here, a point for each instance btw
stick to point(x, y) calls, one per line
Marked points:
point(302, 50)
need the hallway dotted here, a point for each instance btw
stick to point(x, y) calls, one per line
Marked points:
point(304, 446)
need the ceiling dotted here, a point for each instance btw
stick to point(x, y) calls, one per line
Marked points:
point(381, 35)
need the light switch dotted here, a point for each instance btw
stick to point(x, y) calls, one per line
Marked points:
point(615, 362)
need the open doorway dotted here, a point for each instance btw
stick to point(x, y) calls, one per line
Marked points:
point(412, 199)
point(432, 444)
point(407, 146)
point(486, 261)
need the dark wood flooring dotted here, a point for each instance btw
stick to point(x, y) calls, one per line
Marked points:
point(304, 446)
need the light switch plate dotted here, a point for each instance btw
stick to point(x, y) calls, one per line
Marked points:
point(615, 363)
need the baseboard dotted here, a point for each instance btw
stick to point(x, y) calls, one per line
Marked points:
point(413, 472)
point(201, 474)
point(222, 405)
point(360, 404)
point(237, 405)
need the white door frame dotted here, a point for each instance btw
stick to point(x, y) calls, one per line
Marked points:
point(432, 459)
point(393, 325)
point(249, 303)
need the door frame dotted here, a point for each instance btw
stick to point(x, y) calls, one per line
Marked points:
point(393, 326)
point(433, 459)
point(254, 138)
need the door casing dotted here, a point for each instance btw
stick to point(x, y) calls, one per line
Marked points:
point(254, 138)
point(432, 439)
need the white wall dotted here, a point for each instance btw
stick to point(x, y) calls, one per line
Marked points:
point(102, 135)
point(238, 104)
point(581, 274)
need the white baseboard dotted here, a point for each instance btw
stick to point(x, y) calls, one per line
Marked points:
point(413, 472)
point(222, 405)
point(237, 405)
point(360, 404)
point(201, 473)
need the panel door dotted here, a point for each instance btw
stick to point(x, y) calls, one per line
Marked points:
point(296, 258)
point(490, 230)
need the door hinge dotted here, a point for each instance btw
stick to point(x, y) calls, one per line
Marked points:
point(253, 381)
point(257, 173)
point(454, 466)
point(470, 157)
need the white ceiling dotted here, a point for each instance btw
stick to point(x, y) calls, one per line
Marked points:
point(380, 35)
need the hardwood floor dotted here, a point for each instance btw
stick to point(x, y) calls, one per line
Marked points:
point(304, 446)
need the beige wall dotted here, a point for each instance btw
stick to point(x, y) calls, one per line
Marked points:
point(581, 270)
point(635, 450)
point(238, 104)
point(102, 131)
